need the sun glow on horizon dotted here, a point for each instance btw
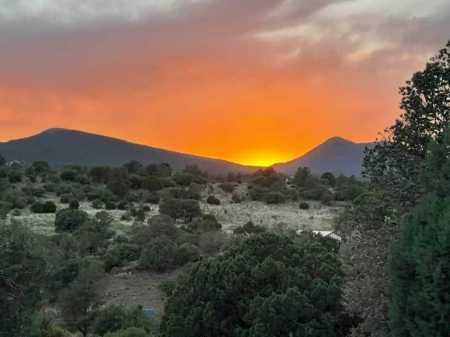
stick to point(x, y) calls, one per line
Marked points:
point(262, 159)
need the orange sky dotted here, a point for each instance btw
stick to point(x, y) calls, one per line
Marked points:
point(254, 82)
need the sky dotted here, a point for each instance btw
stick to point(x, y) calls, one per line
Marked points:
point(250, 81)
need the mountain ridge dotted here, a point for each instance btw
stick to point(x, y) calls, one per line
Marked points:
point(61, 146)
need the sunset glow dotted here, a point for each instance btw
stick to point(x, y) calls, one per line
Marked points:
point(254, 82)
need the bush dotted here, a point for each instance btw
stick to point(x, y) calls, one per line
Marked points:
point(186, 209)
point(265, 286)
point(68, 175)
point(158, 255)
point(69, 220)
point(97, 204)
point(186, 253)
point(119, 254)
point(212, 200)
point(304, 205)
point(74, 204)
point(249, 228)
point(274, 198)
point(158, 226)
point(206, 223)
point(40, 208)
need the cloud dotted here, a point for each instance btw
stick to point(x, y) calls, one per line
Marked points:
point(221, 75)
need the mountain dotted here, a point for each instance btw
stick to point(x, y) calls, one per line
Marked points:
point(61, 147)
point(336, 155)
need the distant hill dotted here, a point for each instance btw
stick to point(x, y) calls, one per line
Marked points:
point(61, 147)
point(336, 155)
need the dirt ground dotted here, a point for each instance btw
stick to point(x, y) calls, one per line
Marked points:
point(136, 288)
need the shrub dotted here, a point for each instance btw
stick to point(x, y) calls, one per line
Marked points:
point(119, 254)
point(65, 198)
point(265, 286)
point(69, 219)
point(249, 228)
point(158, 255)
point(274, 198)
point(153, 198)
point(47, 207)
point(110, 205)
point(206, 223)
point(186, 209)
point(74, 204)
point(186, 253)
point(304, 205)
point(158, 226)
point(68, 175)
point(97, 204)
point(212, 200)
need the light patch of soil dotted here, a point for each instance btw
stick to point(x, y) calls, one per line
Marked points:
point(136, 288)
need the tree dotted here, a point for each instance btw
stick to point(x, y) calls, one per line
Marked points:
point(186, 209)
point(133, 166)
point(158, 255)
point(158, 226)
point(69, 219)
point(265, 286)
point(40, 167)
point(95, 233)
point(22, 276)
point(118, 182)
point(303, 177)
point(421, 272)
point(329, 178)
point(397, 162)
point(420, 267)
point(2, 160)
point(80, 300)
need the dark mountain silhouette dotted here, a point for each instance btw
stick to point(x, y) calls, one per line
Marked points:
point(336, 155)
point(61, 147)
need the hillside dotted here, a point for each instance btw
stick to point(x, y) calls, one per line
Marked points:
point(62, 147)
point(336, 155)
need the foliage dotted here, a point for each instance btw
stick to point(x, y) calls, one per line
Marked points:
point(397, 162)
point(206, 223)
point(421, 272)
point(185, 209)
point(158, 255)
point(249, 228)
point(22, 275)
point(265, 286)
point(115, 318)
point(70, 219)
point(43, 207)
point(81, 297)
point(213, 200)
point(94, 234)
